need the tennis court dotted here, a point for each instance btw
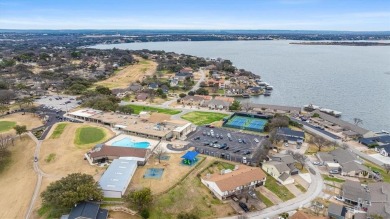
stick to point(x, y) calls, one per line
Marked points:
point(246, 123)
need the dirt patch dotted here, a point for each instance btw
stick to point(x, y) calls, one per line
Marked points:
point(121, 215)
point(28, 119)
point(18, 181)
point(68, 157)
point(130, 74)
point(173, 172)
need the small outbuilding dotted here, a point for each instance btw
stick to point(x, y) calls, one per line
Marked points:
point(190, 158)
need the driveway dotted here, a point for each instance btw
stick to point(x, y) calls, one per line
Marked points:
point(381, 158)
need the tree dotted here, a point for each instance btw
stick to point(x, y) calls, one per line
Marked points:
point(125, 109)
point(202, 91)
point(103, 90)
point(236, 105)
point(140, 198)
point(20, 129)
point(187, 216)
point(77, 88)
point(182, 95)
point(318, 141)
point(386, 167)
point(247, 106)
point(300, 158)
point(159, 151)
point(357, 121)
point(70, 190)
point(3, 109)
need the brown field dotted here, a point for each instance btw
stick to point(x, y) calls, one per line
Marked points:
point(130, 74)
point(121, 215)
point(17, 183)
point(28, 120)
point(68, 157)
point(173, 172)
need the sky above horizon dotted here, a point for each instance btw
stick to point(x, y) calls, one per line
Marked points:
point(348, 15)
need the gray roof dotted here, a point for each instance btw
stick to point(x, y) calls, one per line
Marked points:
point(336, 209)
point(118, 175)
point(380, 192)
point(325, 157)
point(352, 190)
point(343, 155)
point(192, 98)
point(342, 123)
point(353, 166)
point(285, 158)
point(280, 166)
point(284, 176)
point(276, 107)
point(217, 102)
point(88, 210)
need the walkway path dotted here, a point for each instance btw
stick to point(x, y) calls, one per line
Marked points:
point(197, 85)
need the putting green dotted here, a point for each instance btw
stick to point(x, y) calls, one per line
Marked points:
point(88, 135)
point(6, 125)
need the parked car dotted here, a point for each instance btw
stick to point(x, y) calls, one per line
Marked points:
point(338, 198)
point(197, 138)
point(246, 152)
point(316, 163)
point(204, 133)
point(286, 144)
point(35, 159)
point(239, 140)
point(243, 141)
point(236, 151)
point(243, 206)
point(376, 172)
point(334, 171)
point(256, 140)
point(226, 148)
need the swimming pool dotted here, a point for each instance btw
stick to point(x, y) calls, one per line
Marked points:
point(128, 142)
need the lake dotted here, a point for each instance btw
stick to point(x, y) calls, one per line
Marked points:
point(352, 79)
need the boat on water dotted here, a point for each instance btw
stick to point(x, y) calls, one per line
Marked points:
point(246, 96)
point(269, 87)
point(311, 108)
point(267, 93)
point(263, 84)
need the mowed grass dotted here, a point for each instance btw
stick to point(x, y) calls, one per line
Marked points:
point(332, 179)
point(58, 130)
point(6, 125)
point(280, 190)
point(203, 118)
point(88, 135)
point(137, 109)
point(384, 174)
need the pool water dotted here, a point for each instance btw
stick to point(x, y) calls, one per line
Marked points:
point(128, 142)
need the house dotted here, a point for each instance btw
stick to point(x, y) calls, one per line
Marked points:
point(153, 86)
point(104, 153)
point(165, 88)
point(279, 170)
point(135, 87)
point(276, 108)
point(117, 177)
point(217, 104)
point(174, 82)
point(384, 150)
point(336, 211)
point(182, 76)
point(303, 215)
point(291, 136)
point(373, 198)
point(192, 100)
point(373, 141)
point(228, 182)
point(353, 168)
point(226, 99)
point(186, 70)
point(142, 96)
point(87, 210)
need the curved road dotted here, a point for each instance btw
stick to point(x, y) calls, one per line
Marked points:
point(313, 191)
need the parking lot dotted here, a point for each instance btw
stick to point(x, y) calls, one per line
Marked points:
point(239, 147)
point(58, 103)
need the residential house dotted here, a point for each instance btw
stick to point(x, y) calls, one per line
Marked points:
point(192, 100)
point(87, 210)
point(384, 150)
point(336, 211)
point(373, 141)
point(217, 104)
point(165, 88)
point(373, 198)
point(345, 161)
point(182, 76)
point(281, 167)
point(153, 86)
point(187, 70)
point(142, 96)
point(216, 76)
point(290, 136)
point(228, 183)
point(135, 87)
point(205, 97)
point(174, 82)
point(276, 108)
point(220, 83)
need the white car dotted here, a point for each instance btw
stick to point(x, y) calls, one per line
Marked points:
point(338, 198)
point(286, 144)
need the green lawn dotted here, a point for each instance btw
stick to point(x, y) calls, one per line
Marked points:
point(264, 199)
point(386, 176)
point(137, 109)
point(203, 118)
point(58, 131)
point(300, 187)
point(333, 179)
point(88, 135)
point(279, 190)
point(6, 125)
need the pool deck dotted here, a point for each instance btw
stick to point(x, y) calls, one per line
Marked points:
point(153, 143)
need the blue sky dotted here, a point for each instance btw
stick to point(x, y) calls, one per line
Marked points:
point(355, 15)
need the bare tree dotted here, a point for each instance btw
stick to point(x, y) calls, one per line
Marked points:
point(300, 158)
point(357, 121)
point(247, 106)
point(320, 142)
point(159, 151)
